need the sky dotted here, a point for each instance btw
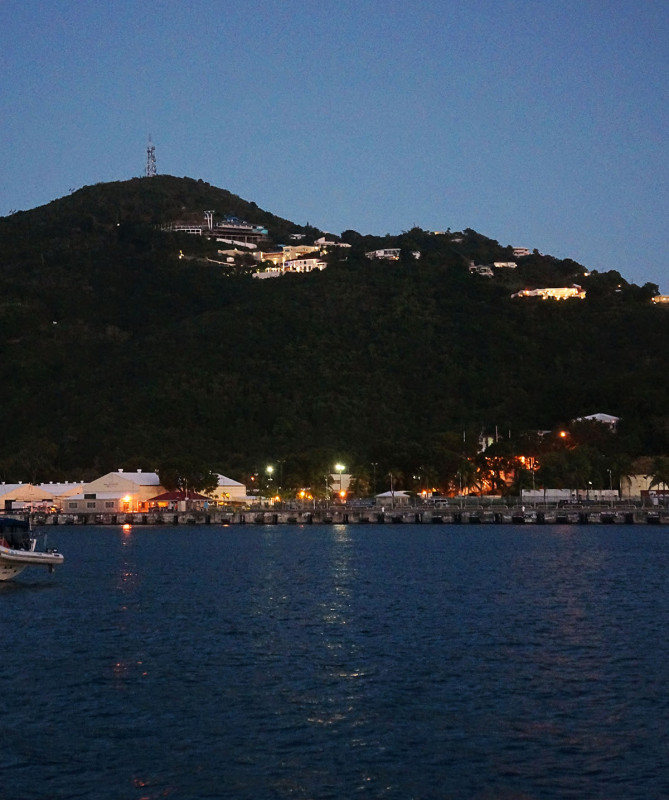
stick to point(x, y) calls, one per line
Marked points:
point(539, 123)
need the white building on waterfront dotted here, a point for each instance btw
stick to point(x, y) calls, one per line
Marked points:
point(229, 491)
point(115, 492)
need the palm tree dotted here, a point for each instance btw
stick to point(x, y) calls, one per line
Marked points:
point(660, 474)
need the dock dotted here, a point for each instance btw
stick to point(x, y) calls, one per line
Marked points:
point(498, 515)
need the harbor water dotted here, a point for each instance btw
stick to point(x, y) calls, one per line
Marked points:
point(339, 661)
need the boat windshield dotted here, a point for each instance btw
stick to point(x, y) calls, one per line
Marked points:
point(15, 533)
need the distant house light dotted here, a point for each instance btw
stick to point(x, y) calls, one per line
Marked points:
point(553, 293)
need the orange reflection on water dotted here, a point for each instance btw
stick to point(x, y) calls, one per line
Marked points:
point(155, 790)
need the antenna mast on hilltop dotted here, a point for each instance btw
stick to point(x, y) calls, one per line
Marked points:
point(150, 159)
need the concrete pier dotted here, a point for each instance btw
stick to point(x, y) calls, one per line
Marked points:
point(356, 516)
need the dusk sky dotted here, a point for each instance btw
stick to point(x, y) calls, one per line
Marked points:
point(539, 124)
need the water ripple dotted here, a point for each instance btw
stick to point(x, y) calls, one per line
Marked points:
point(331, 662)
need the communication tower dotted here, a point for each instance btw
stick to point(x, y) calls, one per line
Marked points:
point(150, 159)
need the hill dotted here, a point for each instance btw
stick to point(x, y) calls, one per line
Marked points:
point(117, 352)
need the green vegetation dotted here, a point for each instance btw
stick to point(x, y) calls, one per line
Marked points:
point(114, 352)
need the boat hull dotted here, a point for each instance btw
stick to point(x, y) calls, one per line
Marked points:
point(9, 571)
point(13, 562)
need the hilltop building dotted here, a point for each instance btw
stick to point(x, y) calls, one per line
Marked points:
point(230, 230)
point(390, 254)
point(481, 269)
point(606, 419)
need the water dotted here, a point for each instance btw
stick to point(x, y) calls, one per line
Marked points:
point(339, 662)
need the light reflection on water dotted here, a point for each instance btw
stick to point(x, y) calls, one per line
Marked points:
point(329, 661)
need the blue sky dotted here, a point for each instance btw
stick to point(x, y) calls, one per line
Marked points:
point(540, 124)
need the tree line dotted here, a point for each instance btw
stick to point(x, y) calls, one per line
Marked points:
point(114, 352)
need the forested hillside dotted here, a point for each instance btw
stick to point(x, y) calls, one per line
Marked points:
point(115, 352)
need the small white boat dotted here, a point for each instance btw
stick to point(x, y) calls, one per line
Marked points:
point(17, 550)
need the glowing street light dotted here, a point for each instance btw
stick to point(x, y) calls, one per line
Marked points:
point(339, 468)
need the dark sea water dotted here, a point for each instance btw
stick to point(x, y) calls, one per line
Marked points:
point(389, 661)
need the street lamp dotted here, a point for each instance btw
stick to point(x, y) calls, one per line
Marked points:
point(339, 468)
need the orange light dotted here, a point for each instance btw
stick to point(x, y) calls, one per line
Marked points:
point(563, 434)
point(342, 494)
point(127, 528)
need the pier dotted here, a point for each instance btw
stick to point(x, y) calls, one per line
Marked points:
point(338, 515)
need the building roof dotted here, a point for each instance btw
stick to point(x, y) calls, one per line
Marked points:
point(57, 489)
point(139, 477)
point(24, 492)
point(223, 481)
point(607, 419)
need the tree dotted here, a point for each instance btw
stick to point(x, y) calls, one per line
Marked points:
point(186, 475)
point(660, 477)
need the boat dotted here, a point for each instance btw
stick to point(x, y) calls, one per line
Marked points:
point(18, 549)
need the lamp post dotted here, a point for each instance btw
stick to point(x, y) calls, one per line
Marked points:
point(610, 489)
point(374, 466)
point(339, 468)
point(269, 470)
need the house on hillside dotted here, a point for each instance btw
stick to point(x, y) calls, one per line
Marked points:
point(268, 273)
point(481, 269)
point(230, 230)
point(553, 293)
point(284, 253)
point(390, 254)
point(606, 419)
point(330, 241)
point(304, 265)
